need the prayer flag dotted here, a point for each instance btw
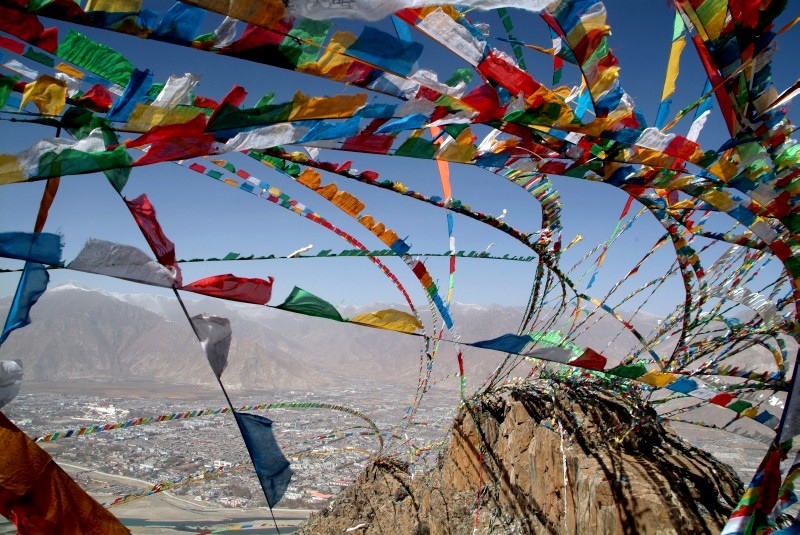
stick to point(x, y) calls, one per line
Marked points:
point(43, 247)
point(39, 497)
point(271, 466)
point(233, 288)
point(215, 337)
point(510, 343)
point(32, 285)
point(304, 302)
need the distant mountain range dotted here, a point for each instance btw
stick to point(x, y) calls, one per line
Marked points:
point(79, 333)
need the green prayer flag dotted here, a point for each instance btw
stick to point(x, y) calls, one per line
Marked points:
point(99, 59)
point(631, 371)
point(39, 57)
point(304, 302)
point(6, 88)
point(677, 27)
point(416, 147)
point(296, 48)
point(74, 162)
point(739, 405)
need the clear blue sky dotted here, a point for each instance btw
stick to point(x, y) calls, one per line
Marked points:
point(205, 218)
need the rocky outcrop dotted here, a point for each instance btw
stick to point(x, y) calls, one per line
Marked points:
point(562, 460)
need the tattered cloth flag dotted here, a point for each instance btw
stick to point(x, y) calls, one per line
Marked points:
point(10, 380)
point(32, 285)
point(215, 337)
point(39, 497)
point(122, 262)
point(271, 466)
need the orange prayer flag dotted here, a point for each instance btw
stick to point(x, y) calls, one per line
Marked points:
point(39, 497)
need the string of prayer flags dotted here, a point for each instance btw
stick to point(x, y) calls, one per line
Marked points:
point(112, 426)
point(752, 514)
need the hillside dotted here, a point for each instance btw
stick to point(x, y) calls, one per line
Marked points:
point(89, 335)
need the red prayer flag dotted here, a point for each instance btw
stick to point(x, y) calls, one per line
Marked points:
point(48, 39)
point(174, 141)
point(26, 26)
point(590, 359)
point(374, 143)
point(12, 45)
point(97, 98)
point(145, 216)
point(233, 288)
point(721, 399)
point(498, 69)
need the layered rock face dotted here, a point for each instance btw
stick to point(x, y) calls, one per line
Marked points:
point(569, 460)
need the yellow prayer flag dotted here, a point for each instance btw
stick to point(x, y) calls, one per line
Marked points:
point(333, 63)
point(658, 379)
point(388, 237)
point(457, 153)
point(718, 199)
point(367, 220)
point(348, 202)
point(265, 13)
point(604, 80)
point(10, 170)
point(752, 412)
point(335, 107)
point(672, 67)
point(114, 6)
point(310, 178)
point(70, 70)
point(48, 94)
point(392, 320)
point(144, 116)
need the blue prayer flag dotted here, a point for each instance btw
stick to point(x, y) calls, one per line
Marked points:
point(385, 51)
point(32, 285)
point(41, 247)
point(135, 92)
point(510, 343)
point(271, 466)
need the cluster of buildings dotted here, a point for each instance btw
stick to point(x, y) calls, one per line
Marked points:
point(327, 449)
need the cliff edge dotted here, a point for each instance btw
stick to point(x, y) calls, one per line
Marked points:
point(568, 460)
